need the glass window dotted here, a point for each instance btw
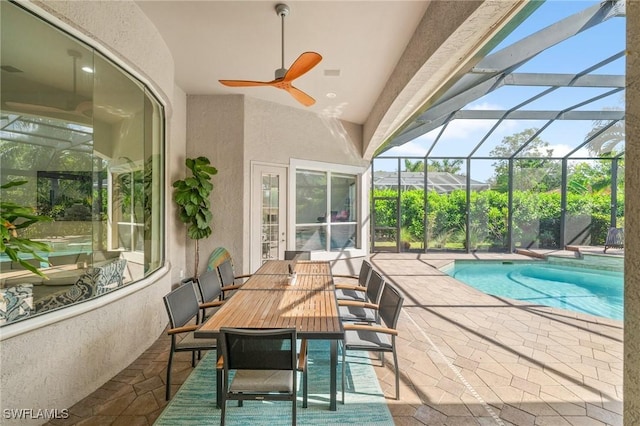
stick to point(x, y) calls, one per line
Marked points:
point(87, 139)
point(326, 210)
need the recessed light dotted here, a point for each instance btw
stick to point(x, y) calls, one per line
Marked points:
point(331, 95)
point(87, 69)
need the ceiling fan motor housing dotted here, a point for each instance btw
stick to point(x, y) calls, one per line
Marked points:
point(282, 9)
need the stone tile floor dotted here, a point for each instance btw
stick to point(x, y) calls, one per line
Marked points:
point(466, 358)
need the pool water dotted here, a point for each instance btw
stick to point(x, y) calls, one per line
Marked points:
point(591, 291)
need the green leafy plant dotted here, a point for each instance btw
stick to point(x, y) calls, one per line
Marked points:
point(14, 219)
point(192, 197)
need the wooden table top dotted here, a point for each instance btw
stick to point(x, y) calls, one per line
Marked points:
point(281, 282)
point(302, 267)
point(310, 306)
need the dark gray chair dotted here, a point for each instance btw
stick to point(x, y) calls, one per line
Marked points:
point(297, 255)
point(264, 363)
point(615, 239)
point(211, 293)
point(373, 337)
point(364, 310)
point(182, 306)
point(227, 277)
point(355, 291)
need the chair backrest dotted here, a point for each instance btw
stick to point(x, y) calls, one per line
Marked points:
point(297, 255)
point(181, 304)
point(258, 349)
point(225, 269)
point(365, 273)
point(390, 305)
point(209, 286)
point(375, 286)
point(615, 237)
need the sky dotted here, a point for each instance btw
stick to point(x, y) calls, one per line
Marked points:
point(570, 56)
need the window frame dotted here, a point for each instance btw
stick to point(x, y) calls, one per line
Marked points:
point(361, 244)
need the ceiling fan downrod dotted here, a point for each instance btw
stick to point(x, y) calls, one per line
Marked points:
point(282, 10)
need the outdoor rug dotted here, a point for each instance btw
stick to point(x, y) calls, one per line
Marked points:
point(195, 402)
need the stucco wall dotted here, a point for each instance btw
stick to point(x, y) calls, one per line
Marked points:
point(53, 361)
point(215, 130)
point(234, 130)
point(632, 222)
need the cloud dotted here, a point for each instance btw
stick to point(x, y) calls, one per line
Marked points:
point(561, 150)
point(414, 148)
point(485, 106)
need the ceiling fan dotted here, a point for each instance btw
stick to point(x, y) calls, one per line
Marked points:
point(74, 107)
point(284, 77)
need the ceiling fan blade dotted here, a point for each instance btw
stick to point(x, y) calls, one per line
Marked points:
point(300, 96)
point(245, 83)
point(303, 64)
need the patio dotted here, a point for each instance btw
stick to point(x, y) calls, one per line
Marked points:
point(465, 358)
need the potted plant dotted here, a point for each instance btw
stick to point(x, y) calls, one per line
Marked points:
point(14, 218)
point(192, 197)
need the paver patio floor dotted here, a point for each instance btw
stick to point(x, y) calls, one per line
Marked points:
point(466, 358)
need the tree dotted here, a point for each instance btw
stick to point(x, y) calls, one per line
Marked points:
point(192, 197)
point(446, 166)
point(605, 143)
point(587, 178)
point(532, 166)
point(410, 166)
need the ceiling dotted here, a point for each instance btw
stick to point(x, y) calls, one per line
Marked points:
point(360, 40)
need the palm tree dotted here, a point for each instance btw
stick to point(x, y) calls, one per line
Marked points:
point(446, 166)
point(605, 144)
point(410, 166)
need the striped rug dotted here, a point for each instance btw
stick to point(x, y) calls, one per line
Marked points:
point(195, 402)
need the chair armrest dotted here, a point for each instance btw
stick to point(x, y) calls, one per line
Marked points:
point(355, 277)
point(374, 328)
point(302, 358)
point(212, 304)
point(357, 303)
point(183, 329)
point(231, 287)
point(353, 287)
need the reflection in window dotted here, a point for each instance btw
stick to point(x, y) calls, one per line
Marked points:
point(89, 145)
point(326, 212)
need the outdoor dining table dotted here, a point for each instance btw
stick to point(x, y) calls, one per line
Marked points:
point(268, 300)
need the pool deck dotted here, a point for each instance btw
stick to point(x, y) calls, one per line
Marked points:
point(470, 358)
point(466, 358)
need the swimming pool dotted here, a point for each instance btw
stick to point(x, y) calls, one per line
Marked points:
point(591, 291)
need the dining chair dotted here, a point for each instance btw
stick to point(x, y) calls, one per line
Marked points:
point(376, 337)
point(364, 310)
point(182, 306)
point(219, 255)
point(211, 293)
point(354, 291)
point(297, 255)
point(227, 277)
point(264, 363)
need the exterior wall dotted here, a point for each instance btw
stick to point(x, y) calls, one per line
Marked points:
point(276, 133)
point(631, 366)
point(234, 130)
point(215, 130)
point(52, 361)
